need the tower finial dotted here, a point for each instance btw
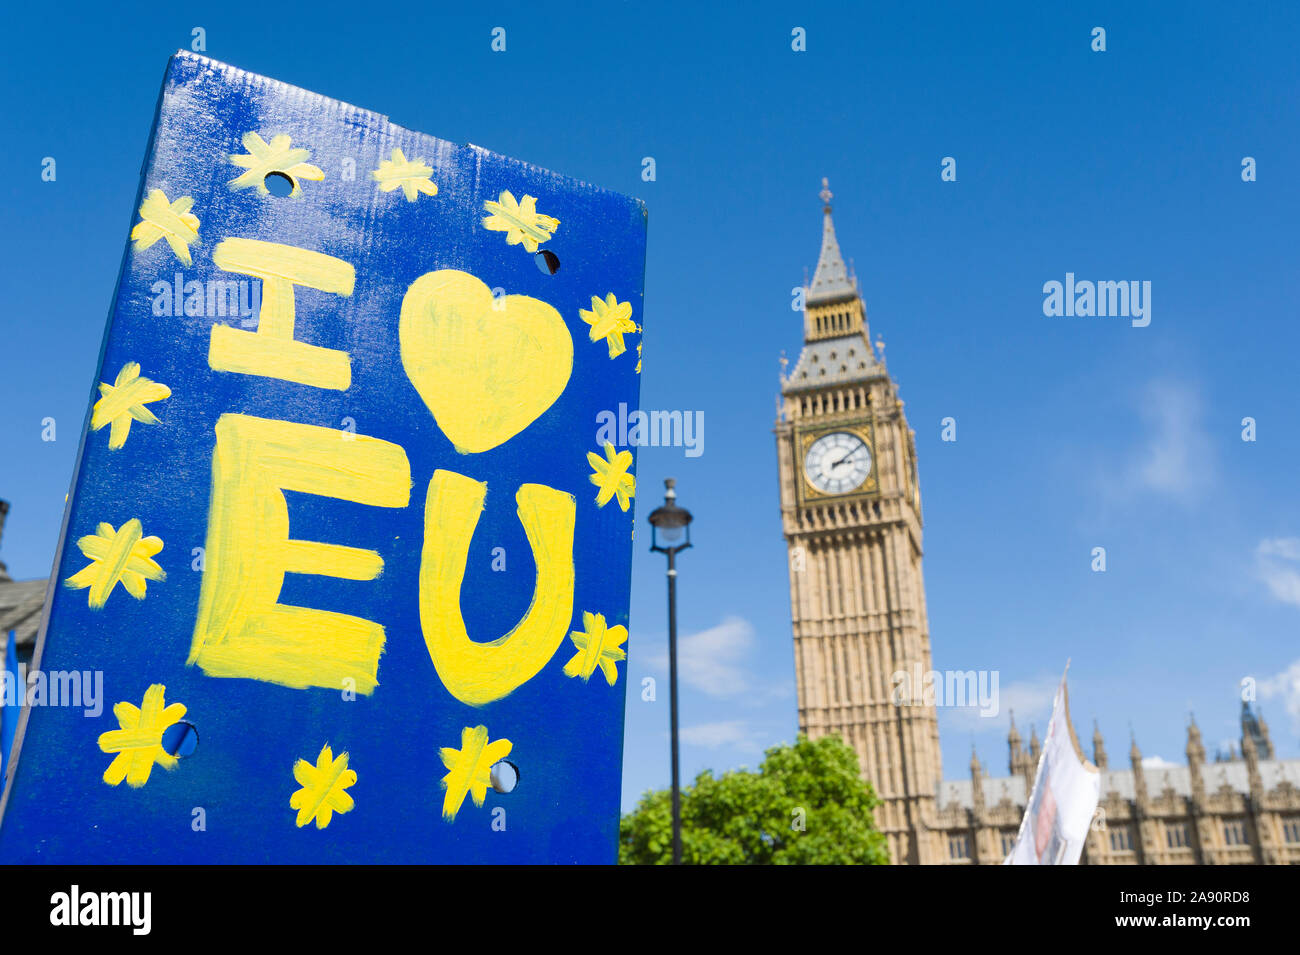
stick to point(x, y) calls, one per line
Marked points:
point(831, 281)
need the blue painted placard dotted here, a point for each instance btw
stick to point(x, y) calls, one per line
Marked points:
point(342, 550)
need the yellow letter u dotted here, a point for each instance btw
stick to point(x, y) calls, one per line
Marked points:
point(478, 673)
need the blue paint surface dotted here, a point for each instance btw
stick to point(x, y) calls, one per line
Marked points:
point(567, 734)
point(9, 715)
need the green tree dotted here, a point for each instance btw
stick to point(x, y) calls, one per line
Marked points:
point(806, 805)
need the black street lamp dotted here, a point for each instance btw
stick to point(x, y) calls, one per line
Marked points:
point(671, 533)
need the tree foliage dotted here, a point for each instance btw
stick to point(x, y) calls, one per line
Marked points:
point(806, 805)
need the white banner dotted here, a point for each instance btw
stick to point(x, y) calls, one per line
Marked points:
point(1066, 789)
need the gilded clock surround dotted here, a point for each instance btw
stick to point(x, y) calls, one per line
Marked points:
point(804, 439)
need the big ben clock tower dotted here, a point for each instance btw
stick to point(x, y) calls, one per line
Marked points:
point(851, 513)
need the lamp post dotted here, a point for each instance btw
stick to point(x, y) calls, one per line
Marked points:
point(671, 534)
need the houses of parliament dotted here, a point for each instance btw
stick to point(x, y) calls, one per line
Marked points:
point(851, 515)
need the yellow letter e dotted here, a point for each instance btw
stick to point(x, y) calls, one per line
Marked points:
point(242, 630)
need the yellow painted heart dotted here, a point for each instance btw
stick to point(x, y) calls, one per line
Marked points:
point(485, 368)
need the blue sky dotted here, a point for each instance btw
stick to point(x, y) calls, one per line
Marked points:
point(1073, 433)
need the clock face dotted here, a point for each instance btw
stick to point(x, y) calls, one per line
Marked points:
point(838, 462)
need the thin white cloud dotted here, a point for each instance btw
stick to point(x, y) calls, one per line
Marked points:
point(1287, 548)
point(716, 661)
point(737, 734)
point(1285, 686)
point(1177, 458)
point(1157, 762)
point(1279, 568)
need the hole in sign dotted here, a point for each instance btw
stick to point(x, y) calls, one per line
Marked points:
point(548, 263)
point(505, 776)
point(278, 184)
point(180, 739)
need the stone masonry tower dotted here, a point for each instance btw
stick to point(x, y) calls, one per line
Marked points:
point(851, 513)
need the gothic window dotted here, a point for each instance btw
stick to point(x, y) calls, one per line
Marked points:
point(959, 847)
point(1234, 833)
point(1008, 843)
point(1121, 839)
point(1291, 829)
point(1176, 836)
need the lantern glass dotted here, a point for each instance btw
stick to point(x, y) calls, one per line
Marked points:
point(671, 535)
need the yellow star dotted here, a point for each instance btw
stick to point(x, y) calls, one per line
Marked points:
point(138, 743)
point(470, 768)
point(124, 400)
point(264, 158)
point(611, 320)
point(520, 221)
point(121, 555)
point(172, 221)
point(322, 793)
point(412, 175)
point(610, 475)
point(597, 646)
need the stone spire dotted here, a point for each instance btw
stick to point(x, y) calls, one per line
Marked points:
point(1098, 748)
point(976, 784)
point(1029, 759)
point(831, 280)
point(1256, 730)
point(4, 571)
point(1013, 745)
point(1195, 760)
point(1265, 744)
point(1250, 754)
point(833, 310)
point(1139, 778)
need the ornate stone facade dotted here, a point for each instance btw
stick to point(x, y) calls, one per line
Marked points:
point(851, 515)
point(1240, 810)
